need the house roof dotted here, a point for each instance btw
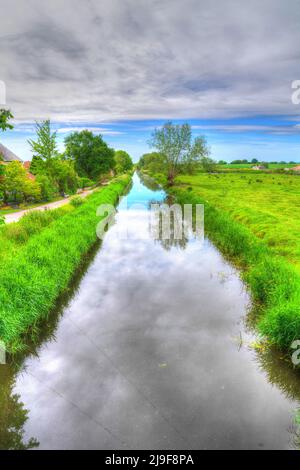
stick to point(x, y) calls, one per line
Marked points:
point(8, 155)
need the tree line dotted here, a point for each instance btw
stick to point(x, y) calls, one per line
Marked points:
point(86, 161)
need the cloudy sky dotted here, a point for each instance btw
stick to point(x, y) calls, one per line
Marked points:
point(122, 67)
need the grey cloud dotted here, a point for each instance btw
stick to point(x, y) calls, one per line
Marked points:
point(128, 59)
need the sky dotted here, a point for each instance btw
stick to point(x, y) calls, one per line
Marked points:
point(123, 67)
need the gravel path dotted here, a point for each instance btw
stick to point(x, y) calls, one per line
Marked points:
point(15, 216)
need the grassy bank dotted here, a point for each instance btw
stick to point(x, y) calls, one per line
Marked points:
point(41, 268)
point(256, 225)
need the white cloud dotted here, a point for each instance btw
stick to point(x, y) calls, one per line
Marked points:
point(95, 130)
point(89, 61)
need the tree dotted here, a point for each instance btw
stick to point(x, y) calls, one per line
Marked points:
point(45, 146)
point(17, 186)
point(174, 142)
point(91, 155)
point(152, 162)
point(208, 165)
point(62, 173)
point(5, 116)
point(123, 161)
point(37, 166)
point(254, 160)
point(48, 190)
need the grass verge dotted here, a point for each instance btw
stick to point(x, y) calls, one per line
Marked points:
point(33, 279)
point(274, 282)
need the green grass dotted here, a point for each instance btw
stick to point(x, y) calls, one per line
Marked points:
point(271, 166)
point(44, 261)
point(254, 221)
point(267, 204)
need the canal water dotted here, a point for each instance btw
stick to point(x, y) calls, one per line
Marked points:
point(151, 351)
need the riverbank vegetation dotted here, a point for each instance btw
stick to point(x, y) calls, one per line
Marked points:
point(42, 252)
point(254, 220)
point(87, 161)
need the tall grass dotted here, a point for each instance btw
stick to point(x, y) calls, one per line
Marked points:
point(14, 236)
point(274, 282)
point(32, 280)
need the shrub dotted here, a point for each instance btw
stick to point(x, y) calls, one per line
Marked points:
point(86, 183)
point(76, 201)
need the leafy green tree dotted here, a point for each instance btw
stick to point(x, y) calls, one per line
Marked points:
point(208, 165)
point(153, 162)
point(62, 173)
point(5, 116)
point(1, 177)
point(17, 186)
point(45, 147)
point(175, 143)
point(123, 161)
point(37, 166)
point(91, 155)
point(48, 190)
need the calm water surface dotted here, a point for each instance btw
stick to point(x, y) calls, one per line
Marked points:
point(151, 351)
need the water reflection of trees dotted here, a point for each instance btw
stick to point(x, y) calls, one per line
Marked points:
point(13, 414)
point(170, 238)
point(279, 371)
point(149, 182)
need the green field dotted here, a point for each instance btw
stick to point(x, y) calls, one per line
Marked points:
point(267, 204)
point(248, 166)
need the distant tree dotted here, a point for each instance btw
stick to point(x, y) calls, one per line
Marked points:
point(222, 162)
point(239, 162)
point(91, 155)
point(208, 164)
point(45, 147)
point(153, 162)
point(174, 142)
point(5, 116)
point(123, 161)
point(254, 160)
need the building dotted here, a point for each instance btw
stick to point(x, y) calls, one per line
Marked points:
point(259, 167)
point(7, 155)
point(295, 168)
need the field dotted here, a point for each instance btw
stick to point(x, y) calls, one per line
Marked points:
point(253, 219)
point(248, 166)
point(267, 204)
point(38, 257)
